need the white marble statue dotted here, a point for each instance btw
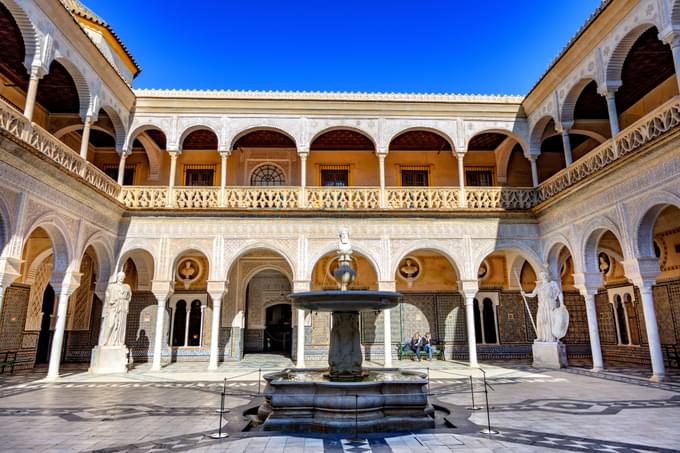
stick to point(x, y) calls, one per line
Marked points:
point(116, 304)
point(344, 245)
point(552, 318)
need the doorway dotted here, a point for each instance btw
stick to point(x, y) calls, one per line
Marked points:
point(279, 329)
point(45, 337)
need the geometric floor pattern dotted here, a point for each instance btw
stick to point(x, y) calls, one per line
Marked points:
point(532, 410)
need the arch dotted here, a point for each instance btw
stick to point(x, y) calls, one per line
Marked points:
point(5, 226)
point(119, 131)
point(518, 247)
point(357, 248)
point(430, 246)
point(260, 245)
point(29, 277)
point(57, 232)
point(76, 127)
point(144, 262)
point(27, 29)
point(593, 234)
point(621, 50)
point(82, 87)
point(644, 226)
point(104, 255)
point(536, 135)
point(521, 141)
point(356, 129)
point(194, 249)
point(132, 135)
point(251, 129)
point(569, 103)
point(552, 257)
point(433, 130)
point(197, 127)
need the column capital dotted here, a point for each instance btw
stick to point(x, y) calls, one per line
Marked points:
point(642, 271)
point(224, 153)
point(174, 153)
point(162, 289)
point(387, 285)
point(37, 71)
point(609, 88)
point(587, 283)
point(303, 149)
point(381, 151)
point(217, 290)
point(670, 36)
point(301, 285)
point(459, 154)
point(65, 283)
point(563, 127)
point(469, 288)
point(10, 270)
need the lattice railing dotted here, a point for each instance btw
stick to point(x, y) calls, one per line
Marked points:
point(343, 198)
point(262, 197)
point(140, 197)
point(197, 197)
point(15, 124)
point(653, 125)
point(510, 198)
point(441, 198)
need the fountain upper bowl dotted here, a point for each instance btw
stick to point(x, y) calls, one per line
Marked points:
point(345, 301)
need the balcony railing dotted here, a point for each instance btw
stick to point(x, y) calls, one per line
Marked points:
point(651, 126)
point(15, 124)
point(655, 124)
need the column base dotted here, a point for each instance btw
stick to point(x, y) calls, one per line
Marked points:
point(109, 359)
point(549, 355)
point(658, 378)
point(597, 369)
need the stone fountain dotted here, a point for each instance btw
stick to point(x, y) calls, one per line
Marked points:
point(345, 396)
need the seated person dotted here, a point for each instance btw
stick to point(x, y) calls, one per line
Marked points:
point(426, 344)
point(416, 344)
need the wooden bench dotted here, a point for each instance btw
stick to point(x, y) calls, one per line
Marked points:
point(672, 355)
point(9, 361)
point(405, 351)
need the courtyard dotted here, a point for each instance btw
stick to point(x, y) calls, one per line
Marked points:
point(573, 409)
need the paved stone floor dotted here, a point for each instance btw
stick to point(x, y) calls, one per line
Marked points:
point(174, 410)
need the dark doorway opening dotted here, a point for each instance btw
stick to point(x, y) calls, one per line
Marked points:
point(45, 337)
point(279, 329)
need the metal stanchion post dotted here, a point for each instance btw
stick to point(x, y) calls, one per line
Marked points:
point(488, 430)
point(219, 434)
point(259, 379)
point(222, 410)
point(472, 394)
point(428, 380)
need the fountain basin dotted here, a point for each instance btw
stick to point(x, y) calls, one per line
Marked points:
point(386, 399)
point(345, 301)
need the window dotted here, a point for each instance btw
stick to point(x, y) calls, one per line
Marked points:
point(486, 327)
point(128, 174)
point(624, 313)
point(199, 175)
point(267, 175)
point(334, 175)
point(479, 177)
point(415, 176)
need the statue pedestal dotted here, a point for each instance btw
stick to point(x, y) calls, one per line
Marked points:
point(109, 359)
point(549, 355)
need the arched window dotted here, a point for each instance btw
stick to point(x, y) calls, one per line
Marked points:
point(489, 318)
point(479, 334)
point(195, 319)
point(267, 175)
point(179, 324)
point(486, 331)
point(621, 324)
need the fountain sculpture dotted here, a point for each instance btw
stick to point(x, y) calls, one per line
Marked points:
point(346, 397)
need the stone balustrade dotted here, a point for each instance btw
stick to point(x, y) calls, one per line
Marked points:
point(16, 125)
point(655, 124)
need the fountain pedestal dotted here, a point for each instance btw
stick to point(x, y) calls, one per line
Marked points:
point(345, 397)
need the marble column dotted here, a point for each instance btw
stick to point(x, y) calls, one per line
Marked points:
point(121, 168)
point(215, 329)
point(593, 330)
point(171, 182)
point(224, 156)
point(653, 339)
point(300, 338)
point(470, 322)
point(461, 179)
point(162, 291)
point(36, 74)
point(613, 114)
point(85, 138)
point(566, 144)
point(534, 170)
point(381, 170)
point(387, 336)
point(303, 179)
point(186, 325)
point(65, 289)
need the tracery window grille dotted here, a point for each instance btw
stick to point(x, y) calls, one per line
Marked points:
point(334, 175)
point(479, 176)
point(111, 171)
point(486, 328)
point(415, 176)
point(199, 174)
point(267, 175)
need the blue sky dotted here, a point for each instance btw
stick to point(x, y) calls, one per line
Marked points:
point(443, 46)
